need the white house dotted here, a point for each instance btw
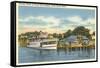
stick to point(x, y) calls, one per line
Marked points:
point(43, 34)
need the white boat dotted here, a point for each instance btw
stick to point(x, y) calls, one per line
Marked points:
point(44, 44)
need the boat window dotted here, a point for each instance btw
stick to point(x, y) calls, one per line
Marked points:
point(50, 42)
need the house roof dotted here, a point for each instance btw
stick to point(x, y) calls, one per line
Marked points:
point(73, 38)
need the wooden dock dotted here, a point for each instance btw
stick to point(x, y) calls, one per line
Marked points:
point(76, 46)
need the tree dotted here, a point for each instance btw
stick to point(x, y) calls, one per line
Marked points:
point(78, 30)
point(22, 39)
point(55, 35)
point(36, 34)
point(60, 36)
point(93, 33)
point(68, 33)
point(81, 30)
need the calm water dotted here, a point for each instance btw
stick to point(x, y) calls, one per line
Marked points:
point(29, 55)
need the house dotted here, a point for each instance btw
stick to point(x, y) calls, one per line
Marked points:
point(43, 34)
point(75, 40)
point(40, 35)
point(85, 40)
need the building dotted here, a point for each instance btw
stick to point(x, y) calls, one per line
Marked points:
point(75, 40)
point(43, 34)
point(39, 36)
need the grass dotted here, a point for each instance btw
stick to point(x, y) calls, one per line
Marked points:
point(23, 43)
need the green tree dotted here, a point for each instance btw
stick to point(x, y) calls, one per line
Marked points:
point(36, 34)
point(60, 36)
point(55, 35)
point(81, 30)
point(93, 33)
point(68, 33)
point(22, 39)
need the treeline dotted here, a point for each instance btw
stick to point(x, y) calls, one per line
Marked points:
point(81, 30)
point(29, 35)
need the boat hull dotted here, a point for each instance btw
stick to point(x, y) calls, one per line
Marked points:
point(49, 47)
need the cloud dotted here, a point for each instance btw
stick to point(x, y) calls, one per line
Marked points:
point(39, 23)
point(54, 24)
point(91, 21)
point(43, 21)
point(27, 19)
point(49, 19)
point(74, 19)
point(79, 21)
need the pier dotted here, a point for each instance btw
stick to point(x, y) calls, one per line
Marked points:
point(76, 46)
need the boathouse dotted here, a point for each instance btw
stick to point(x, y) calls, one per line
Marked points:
point(75, 40)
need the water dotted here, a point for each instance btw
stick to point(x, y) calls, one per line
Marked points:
point(29, 55)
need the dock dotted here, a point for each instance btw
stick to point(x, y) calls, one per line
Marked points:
point(76, 46)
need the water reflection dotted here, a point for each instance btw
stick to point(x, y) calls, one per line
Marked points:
point(28, 55)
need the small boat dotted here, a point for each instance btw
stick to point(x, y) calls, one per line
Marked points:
point(44, 44)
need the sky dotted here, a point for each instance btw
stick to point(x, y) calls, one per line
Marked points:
point(53, 20)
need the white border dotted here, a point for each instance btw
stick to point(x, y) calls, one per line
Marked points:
point(50, 6)
point(53, 6)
